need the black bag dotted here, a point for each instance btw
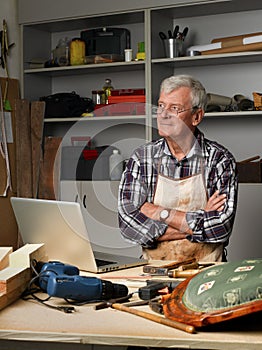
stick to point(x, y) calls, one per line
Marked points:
point(66, 104)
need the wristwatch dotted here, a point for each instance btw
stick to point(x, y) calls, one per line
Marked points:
point(164, 214)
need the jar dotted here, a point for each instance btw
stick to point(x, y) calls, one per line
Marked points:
point(98, 96)
point(61, 53)
point(77, 51)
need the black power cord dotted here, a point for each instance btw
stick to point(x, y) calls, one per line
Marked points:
point(31, 290)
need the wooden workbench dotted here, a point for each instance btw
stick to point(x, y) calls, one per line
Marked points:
point(29, 325)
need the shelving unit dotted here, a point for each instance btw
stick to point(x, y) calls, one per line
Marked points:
point(144, 24)
point(223, 74)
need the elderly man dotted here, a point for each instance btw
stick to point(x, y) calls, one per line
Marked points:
point(178, 195)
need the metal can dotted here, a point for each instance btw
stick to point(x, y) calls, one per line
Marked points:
point(77, 51)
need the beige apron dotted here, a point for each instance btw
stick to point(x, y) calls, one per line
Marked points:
point(188, 194)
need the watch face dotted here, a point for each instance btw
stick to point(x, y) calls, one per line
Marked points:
point(164, 214)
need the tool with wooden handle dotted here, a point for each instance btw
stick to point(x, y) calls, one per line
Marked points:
point(183, 273)
point(155, 318)
point(162, 270)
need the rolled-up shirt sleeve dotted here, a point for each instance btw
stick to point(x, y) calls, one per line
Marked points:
point(135, 189)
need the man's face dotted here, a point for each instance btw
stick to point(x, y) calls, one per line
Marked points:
point(171, 124)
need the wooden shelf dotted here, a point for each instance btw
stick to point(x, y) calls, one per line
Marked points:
point(203, 60)
point(76, 70)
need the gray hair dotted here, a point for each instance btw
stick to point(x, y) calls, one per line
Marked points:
point(198, 92)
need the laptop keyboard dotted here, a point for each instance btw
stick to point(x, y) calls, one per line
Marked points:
point(100, 262)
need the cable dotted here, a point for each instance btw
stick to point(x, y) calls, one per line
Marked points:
point(29, 293)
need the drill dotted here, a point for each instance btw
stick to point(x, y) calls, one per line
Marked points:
point(63, 281)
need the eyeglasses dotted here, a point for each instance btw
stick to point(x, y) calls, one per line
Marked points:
point(173, 111)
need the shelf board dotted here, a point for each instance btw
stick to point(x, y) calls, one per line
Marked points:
point(232, 114)
point(142, 117)
point(225, 58)
point(94, 119)
point(99, 67)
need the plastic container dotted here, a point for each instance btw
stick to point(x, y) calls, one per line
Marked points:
point(103, 58)
point(128, 55)
point(115, 165)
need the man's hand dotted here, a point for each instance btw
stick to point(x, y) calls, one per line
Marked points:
point(216, 202)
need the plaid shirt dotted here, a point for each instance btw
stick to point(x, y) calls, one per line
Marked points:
point(138, 185)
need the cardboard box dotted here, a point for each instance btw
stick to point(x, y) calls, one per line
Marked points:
point(249, 172)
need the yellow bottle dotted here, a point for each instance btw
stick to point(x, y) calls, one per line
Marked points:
point(77, 51)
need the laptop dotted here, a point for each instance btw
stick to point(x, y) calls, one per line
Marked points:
point(60, 225)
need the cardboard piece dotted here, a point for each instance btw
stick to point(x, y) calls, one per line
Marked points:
point(12, 95)
point(235, 40)
point(23, 149)
point(29, 131)
point(9, 231)
point(250, 172)
point(238, 48)
point(37, 126)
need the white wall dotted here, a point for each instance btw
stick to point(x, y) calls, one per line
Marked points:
point(8, 11)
